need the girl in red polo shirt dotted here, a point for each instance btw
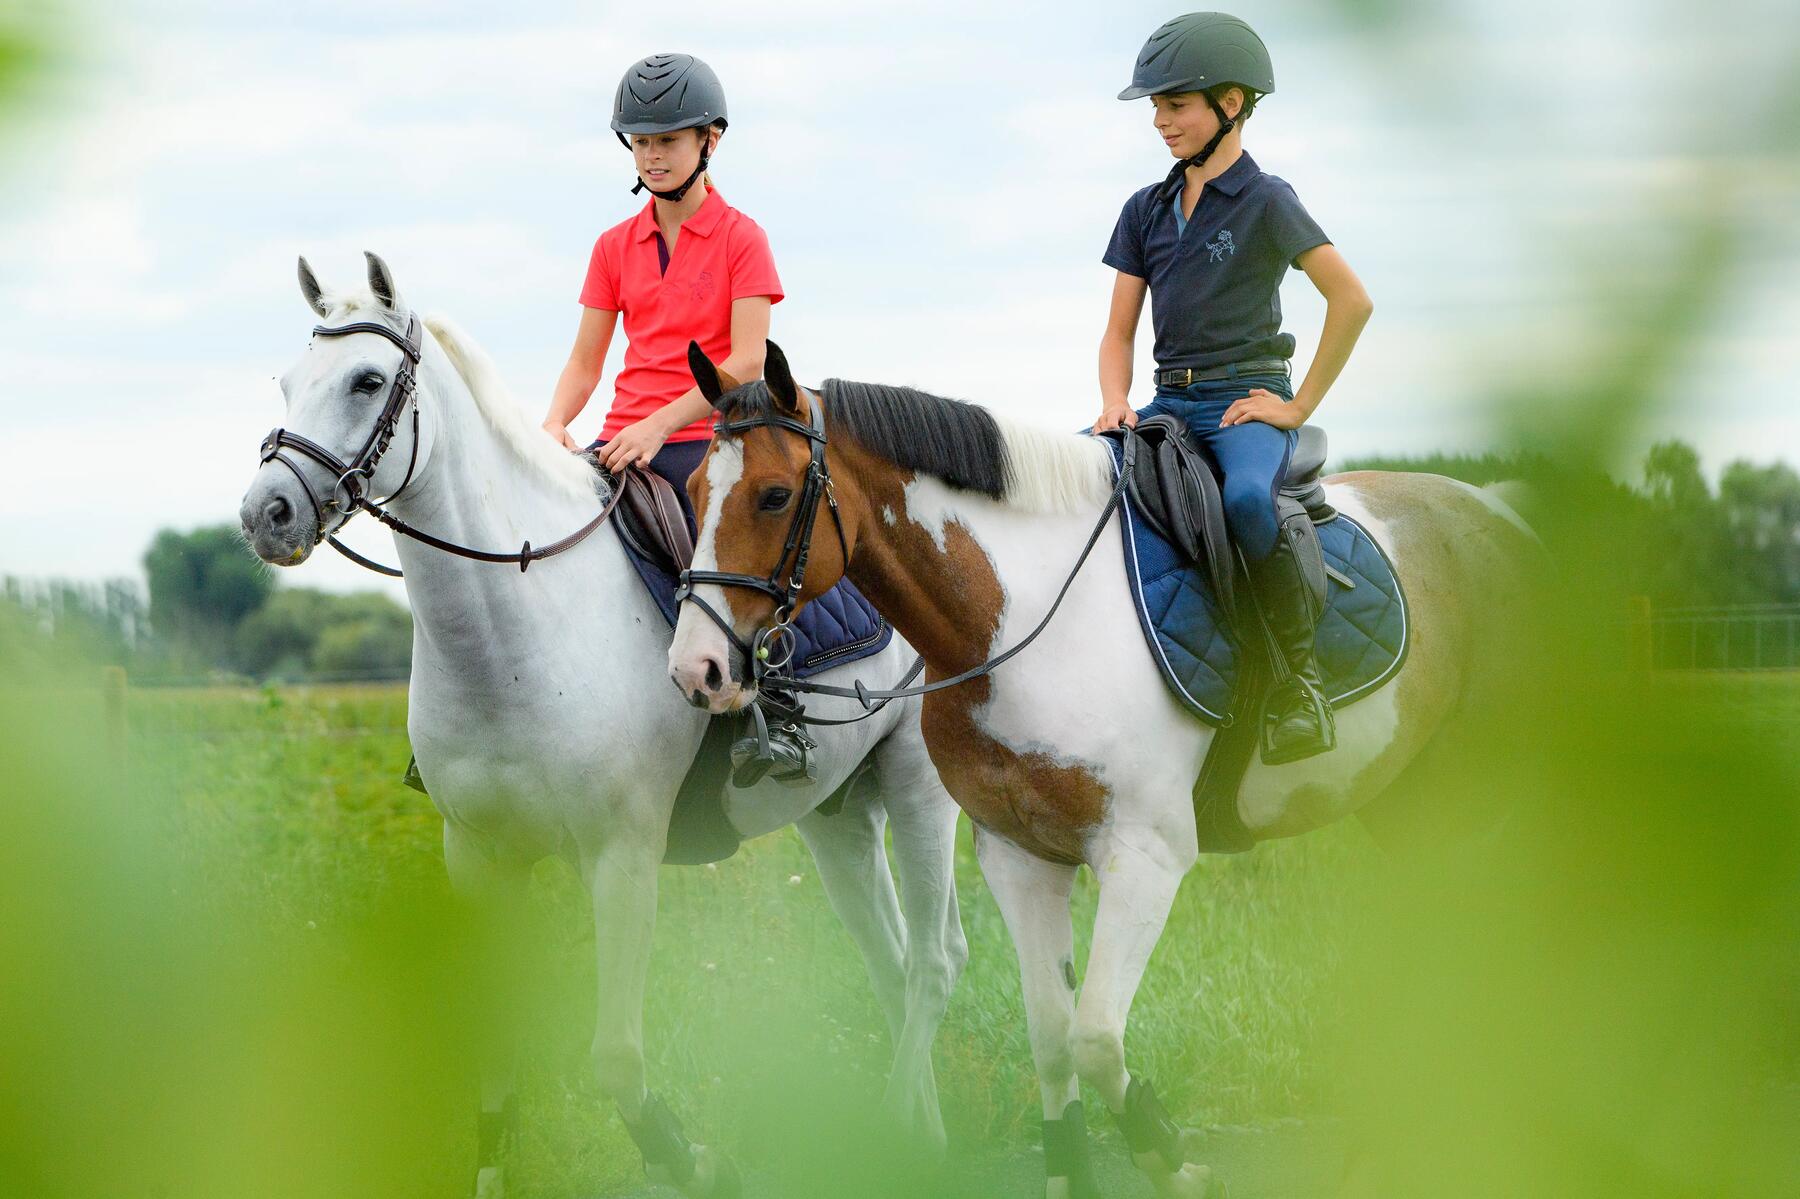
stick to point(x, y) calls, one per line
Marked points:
point(688, 267)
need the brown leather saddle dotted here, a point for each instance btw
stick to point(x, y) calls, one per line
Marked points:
point(653, 518)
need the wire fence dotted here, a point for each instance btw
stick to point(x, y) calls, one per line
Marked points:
point(1739, 637)
point(1757, 637)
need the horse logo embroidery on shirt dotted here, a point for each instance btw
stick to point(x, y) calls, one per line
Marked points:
point(703, 286)
point(1217, 250)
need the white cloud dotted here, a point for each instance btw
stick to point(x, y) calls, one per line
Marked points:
point(938, 181)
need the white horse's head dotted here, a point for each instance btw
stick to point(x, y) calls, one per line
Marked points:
point(336, 397)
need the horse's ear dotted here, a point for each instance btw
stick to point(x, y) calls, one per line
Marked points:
point(381, 281)
point(780, 379)
point(706, 375)
point(309, 287)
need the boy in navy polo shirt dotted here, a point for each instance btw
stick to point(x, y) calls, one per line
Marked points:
point(1211, 243)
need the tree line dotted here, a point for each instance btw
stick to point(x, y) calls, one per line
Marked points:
point(210, 607)
point(1680, 542)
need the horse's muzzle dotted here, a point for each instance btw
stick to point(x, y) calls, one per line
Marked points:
point(279, 530)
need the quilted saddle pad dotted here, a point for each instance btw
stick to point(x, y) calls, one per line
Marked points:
point(1361, 640)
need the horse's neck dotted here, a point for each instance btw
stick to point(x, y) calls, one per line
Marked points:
point(476, 493)
point(953, 570)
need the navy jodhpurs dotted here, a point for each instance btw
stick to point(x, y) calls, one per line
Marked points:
point(1253, 457)
point(675, 461)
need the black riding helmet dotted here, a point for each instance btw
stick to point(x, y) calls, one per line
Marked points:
point(663, 93)
point(1197, 53)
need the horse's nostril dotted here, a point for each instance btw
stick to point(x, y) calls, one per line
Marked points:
point(714, 677)
point(278, 511)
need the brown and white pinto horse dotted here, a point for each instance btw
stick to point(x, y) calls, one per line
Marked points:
point(961, 526)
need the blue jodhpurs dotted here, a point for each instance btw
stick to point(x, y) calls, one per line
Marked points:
point(1253, 457)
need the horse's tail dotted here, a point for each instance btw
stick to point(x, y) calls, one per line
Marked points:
point(1518, 499)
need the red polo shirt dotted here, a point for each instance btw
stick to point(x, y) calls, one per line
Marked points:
point(720, 255)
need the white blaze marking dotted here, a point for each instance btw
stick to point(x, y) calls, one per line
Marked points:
point(695, 634)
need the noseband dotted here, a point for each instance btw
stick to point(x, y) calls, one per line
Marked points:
point(350, 494)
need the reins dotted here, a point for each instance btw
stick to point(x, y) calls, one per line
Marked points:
point(767, 667)
point(349, 495)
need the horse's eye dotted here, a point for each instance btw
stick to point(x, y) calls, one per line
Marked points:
point(775, 499)
point(369, 382)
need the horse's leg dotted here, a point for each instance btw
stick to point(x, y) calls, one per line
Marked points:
point(621, 880)
point(853, 867)
point(924, 823)
point(1033, 896)
point(1137, 888)
point(495, 891)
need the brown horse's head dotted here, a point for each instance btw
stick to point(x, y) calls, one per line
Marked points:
point(750, 495)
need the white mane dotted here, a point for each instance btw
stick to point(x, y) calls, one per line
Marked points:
point(1053, 471)
point(504, 416)
point(533, 446)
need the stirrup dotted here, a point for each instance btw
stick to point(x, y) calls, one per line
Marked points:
point(783, 752)
point(1275, 707)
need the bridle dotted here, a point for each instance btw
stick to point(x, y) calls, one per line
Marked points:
point(770, 650)
point(350, 494)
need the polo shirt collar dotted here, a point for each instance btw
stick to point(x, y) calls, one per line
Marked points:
point(703, 222)
point(1236, 175)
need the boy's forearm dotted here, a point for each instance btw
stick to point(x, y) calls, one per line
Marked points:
point(1115, 372)
point(1344, 321)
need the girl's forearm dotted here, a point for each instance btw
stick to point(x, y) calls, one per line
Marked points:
point(690, 406)
point(682, 411)
point(573, 390)
point(1344, 321)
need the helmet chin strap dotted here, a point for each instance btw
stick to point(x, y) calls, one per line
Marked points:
point(674, 196)
point(1178, 172)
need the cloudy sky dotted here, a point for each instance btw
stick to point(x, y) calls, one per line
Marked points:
point(938, 180)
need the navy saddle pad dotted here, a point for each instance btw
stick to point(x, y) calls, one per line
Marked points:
point(838, 627)
point(1362, 635)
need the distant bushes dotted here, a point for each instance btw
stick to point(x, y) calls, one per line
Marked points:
point(1675, 539)
point(211, 609)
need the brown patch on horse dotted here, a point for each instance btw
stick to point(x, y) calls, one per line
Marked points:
point(948, 603)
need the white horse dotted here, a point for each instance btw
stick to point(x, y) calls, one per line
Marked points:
point(962, 526)
point(542, 724)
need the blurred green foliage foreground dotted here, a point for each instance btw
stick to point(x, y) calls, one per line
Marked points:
point(231, 966)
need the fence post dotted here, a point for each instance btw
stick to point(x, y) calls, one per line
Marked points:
point(1640, 646)
point(112, 689)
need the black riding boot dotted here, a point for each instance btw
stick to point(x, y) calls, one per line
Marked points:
point(1297, 720)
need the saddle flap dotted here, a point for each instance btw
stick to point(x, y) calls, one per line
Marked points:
point(656, 517)
point(1183, 490)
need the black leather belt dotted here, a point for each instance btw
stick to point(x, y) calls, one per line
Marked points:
point(1183, 376)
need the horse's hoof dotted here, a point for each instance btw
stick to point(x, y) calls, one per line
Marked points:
point(1192, 1181)
point(726, 1182)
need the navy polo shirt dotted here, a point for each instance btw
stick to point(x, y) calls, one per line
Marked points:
point(1215, 285)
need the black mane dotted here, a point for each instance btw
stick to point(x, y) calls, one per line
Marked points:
point(956, 441)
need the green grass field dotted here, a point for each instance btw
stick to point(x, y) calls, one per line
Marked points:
point(277, 822)
point(301, 787)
